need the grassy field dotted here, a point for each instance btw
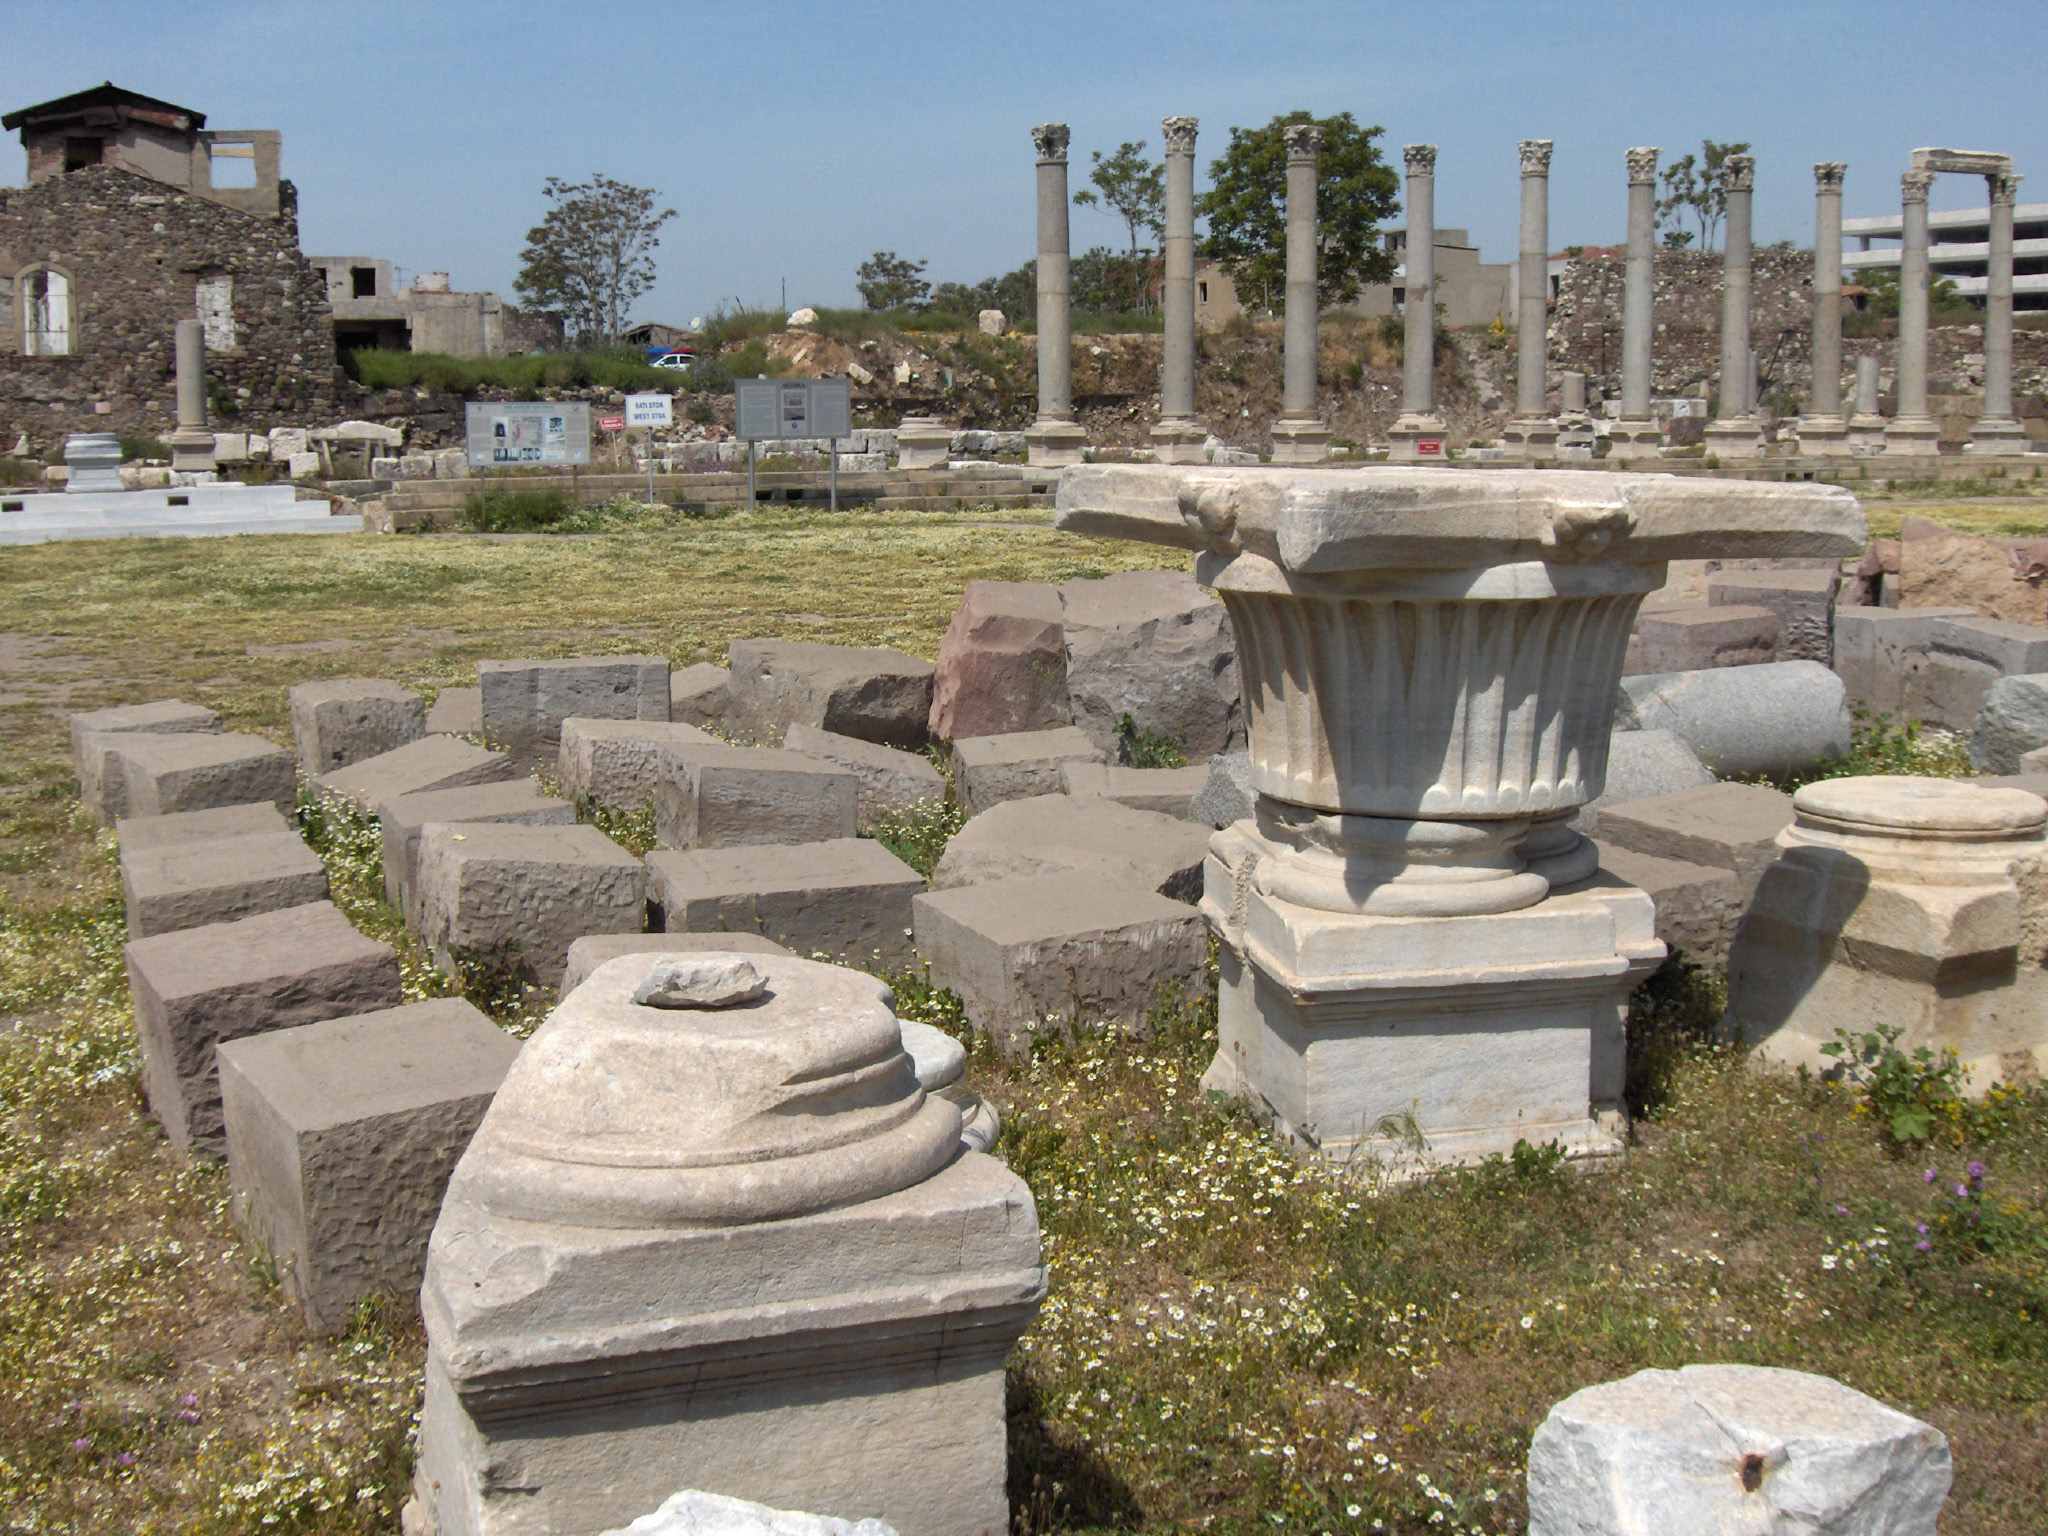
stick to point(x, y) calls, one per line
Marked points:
point(1234, 1342)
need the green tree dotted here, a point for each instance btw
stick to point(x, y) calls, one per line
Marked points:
point(1134, 188)
point(1882, 287)
point(1247, 200)
point(1696, 186)
point(591, 255)
point(889, 281)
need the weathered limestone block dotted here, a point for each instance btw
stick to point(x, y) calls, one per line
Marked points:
point(801, 1293)
point(1802, 601)
point(987, 770)
point(1724, 826)
point(105, 793)
point(1154, 646)
point(432, 762)
point(1939, 567)
point(722, 797)
point(1227, 795)
point(162, 774)
point(1698, 905)
point(1642, 765)
point(1780, 717)
point(200, 986)
point(892, 781)
point(691, 1513)
point(1709, 1450)
point(1050, 833)
point(1079, 947)
point(515, 896)
point(1904, 902)
point(456, 712)
point(340, 1139)
point(1875, 648)
point(345, 720)
point(1694, 639)
point(848, 899)
point(2011, 722)
point(152, 834)
point(1946, 684)
point(525, 702)
point(593, 949)
point(215, 879)
point(401, 818)
point(697, 695)
point(619, 764)
point(868, 692)
point(1169, 791)
point(1002, 665)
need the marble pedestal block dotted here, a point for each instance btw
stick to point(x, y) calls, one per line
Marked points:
point(1054, 444)
point(802, 1292)
point(1300, 441)
point(1177, 441)
point(1410, 438)
point(1535, 436)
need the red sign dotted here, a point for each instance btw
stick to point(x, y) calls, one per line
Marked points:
point(611, 423)
point(1429, 447)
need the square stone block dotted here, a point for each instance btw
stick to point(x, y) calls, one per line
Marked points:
point(148, 834)
point(1002, 665)
point(1802, 601)
point(345, 720)
point(1698, 905)
point(193, 773)
point(340, 1139)
point(1725, 826)
point(1691, 639)
point(593, 949)
point(988, 770)
point(200, 986)
point(103, 793)
point(518, 895)
point(865, 691)
point(697, 695)
point(892, 781)
point(189, 884)
point(848, 898)
point(1168, 791)
point(1876, 648)
point(1075, 946)
point(723, 797)
point(618, 763)
point(513, 800)
point(1051, 834)
point(432, 762)
point(1965, 655)
point(456, 712)
point(525, 702)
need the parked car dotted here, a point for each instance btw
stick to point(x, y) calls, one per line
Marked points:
point(671, 357)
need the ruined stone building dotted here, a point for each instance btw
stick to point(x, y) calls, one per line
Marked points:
point(137, 216)
point(371, 309)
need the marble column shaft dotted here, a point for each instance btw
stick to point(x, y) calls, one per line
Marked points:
point(1055, 284)
point(1298, 386)
point(1639, 285)
point(1177, 366)
point(1418, 315)
point(1912, 366)
point(1825, 397)
point(1736, 368)
point(1532, 281)
point(190, 353)
point(1998, 301)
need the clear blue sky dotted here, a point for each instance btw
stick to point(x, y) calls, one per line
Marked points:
point(796, 138)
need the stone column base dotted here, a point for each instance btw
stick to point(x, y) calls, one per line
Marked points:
point(1627, 437)
point(1300, 440)
point(1912, 435)
point(1178, 442)
point(923, 442)
point(1823, 437)
point(1355, 1035)
point(1866, 435)
point(1998, 437)
point(191, 450)
point(1053, 444)
point(1410, 438)
point(1535, 436)
point(1736, 438)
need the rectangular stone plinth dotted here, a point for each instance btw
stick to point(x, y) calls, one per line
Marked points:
point(848, 899)
point(433, 762)
point(195, 772)
point(216, 879)
point(340, 1139)
point(456, 712)
point(200, 986)
point(865, 691)
point(513, 800)
point(344, 720)
point(105, 793)
point(987, 770)
point(525, 702)
point(619, 764)
point(892, 782)
point(1692, 639)
point(723, 797)
point(1726, 826)
point(513, 897)
point(1170, 791)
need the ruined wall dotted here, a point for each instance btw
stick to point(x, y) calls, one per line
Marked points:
point(141, 256)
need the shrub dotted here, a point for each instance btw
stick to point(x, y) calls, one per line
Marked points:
point(516, 511)
point(621, 369)
point(140, 445)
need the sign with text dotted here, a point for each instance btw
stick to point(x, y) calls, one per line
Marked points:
point(611, 423)
point(780, 408)
point(650, 411)
point(1429, 447)
point(504, 434)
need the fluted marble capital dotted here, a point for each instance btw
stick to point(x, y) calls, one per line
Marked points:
point(1535, 157)
point(1180, 134)
point(2004, 189)
point(1828, 174)
point(1051, 142)
point(1642, 165)
point(1419, 158)
point(1304, 141)
point(1914, 185)
point(1741, 173)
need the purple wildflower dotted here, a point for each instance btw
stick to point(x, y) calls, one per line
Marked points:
point(1923, 1246)
point(81, 1444)
point(1976, 1171)
point(1920, 1227)
point(125, 1459)
point(189, 1400)
point(1928, 1177)
point(1962, 1191)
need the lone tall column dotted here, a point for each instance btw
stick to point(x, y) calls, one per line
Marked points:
point(1418, 432)
point(1299, 436)
point(1636, 429)
point(1055, 439)
point(1997, 431)
point(192, 444)
point(1912, 430)
point(1734, 429)
point(1823, 430)
point(1866, 426)
point(1177, 439)
point(1533, 429)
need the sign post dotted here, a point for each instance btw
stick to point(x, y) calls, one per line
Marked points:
point(650, 411)
point(793, 408)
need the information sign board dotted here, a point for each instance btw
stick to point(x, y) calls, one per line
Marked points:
point(650, 411)
point(504, 434)
point(611, 423)
point(1429, 447)
point(783, 408)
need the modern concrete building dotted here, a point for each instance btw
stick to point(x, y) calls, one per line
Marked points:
point(1471, 290)
point(1959, 249)
point(426, 315)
